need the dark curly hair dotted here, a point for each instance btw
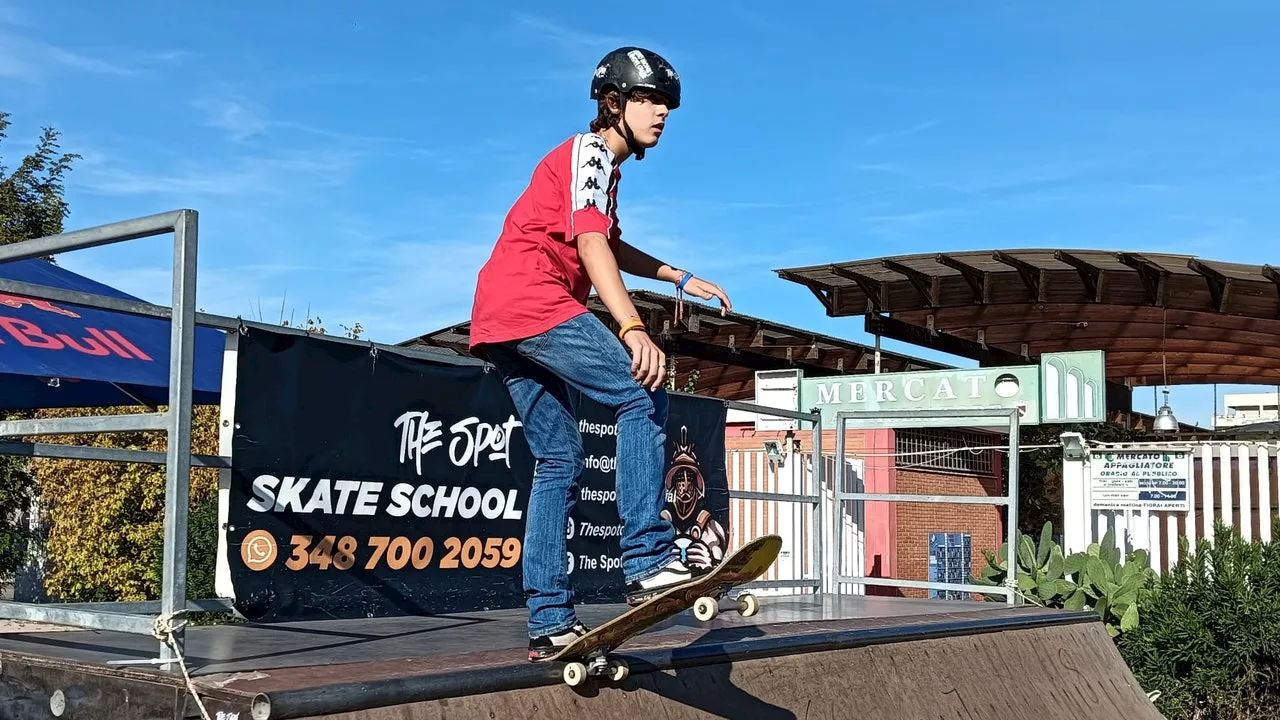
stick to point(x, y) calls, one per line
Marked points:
point(609, 106)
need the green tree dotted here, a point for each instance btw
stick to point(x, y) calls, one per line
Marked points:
point(1040, 471)
point(31, 196)
point(31, 206)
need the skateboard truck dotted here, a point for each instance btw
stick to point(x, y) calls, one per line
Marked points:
point(706, 608)
point(597, 664)
point(592, 651)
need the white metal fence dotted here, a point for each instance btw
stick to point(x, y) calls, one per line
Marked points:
point(1234, 482)
point(752, 471)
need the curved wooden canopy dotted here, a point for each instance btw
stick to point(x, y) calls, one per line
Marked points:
point(1215, 322)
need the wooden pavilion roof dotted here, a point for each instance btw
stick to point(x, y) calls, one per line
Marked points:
point(725, 351)
point(1216, 322)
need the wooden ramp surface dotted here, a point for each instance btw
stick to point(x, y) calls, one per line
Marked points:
point(1050, 673)
point(867, 659)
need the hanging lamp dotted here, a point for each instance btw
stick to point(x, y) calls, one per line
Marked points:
point(1165, 422)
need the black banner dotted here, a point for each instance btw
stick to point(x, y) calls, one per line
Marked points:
point(369, 484)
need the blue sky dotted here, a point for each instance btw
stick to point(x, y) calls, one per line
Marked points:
point(341, 164)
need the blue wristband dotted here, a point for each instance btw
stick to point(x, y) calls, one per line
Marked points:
point(684, 279)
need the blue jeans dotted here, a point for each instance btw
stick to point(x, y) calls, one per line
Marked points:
point(582, 353)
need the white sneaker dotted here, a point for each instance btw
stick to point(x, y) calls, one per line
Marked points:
point(674, 573)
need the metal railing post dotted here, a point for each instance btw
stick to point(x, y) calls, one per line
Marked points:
point(173, 584)
point(837, 486)
point(1011, 514)
point(819, 489)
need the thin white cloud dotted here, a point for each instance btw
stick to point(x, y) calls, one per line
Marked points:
point(254, 292)
point(899, 134)
point(32, 61)
point(283, 174)
point(29, 60)
point(237, 116)
point(11, 15)
point(565, 37)
point(413, 279)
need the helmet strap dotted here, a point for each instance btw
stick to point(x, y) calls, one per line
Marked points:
point(636, 150)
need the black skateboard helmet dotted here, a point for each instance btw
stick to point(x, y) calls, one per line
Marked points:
point(628, 68)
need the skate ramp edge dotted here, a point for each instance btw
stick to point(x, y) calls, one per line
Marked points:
point(1068, 671)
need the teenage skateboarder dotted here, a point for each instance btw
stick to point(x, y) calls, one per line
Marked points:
point(530, 320)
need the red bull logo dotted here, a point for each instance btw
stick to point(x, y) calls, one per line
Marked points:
point(100, 343)
point(17, 302)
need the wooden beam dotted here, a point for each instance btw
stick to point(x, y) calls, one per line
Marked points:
point(992, 316)
point(820, 291)
point(1032, 276)
point(1224, 377)
point(926, 285)
point(1219, 284)
point(1153, 276)
point(875, 290)
point(1125, 359)
point(895, 329)
point(1117, 337)
point(1206, 371)
point(1272, 274)
point(686, 346)
point(1091, 275)
point(979, 280)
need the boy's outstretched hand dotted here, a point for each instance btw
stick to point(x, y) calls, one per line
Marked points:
point(700, 288)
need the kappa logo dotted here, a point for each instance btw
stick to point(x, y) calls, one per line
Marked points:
point(590, 184)
point(598, 145)
point(594, 162)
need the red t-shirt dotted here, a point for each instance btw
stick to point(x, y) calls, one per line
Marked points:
point(534, 279)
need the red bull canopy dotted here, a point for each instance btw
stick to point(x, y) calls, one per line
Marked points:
point(60, 355)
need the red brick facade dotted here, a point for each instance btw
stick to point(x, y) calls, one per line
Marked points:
point(983, 523)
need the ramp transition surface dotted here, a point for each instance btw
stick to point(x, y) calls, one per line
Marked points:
point(800, 658)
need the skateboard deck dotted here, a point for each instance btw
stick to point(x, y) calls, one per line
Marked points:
point(702, 594)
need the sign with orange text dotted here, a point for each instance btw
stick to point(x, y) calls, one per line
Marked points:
point(380, 484)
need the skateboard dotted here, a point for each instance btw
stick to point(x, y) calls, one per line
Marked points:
point(590, 653)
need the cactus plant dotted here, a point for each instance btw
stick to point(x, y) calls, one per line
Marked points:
point(1091, 580)
point(1114, 589)
point(1043, 573)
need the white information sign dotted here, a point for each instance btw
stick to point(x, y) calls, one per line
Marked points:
point(1141, 480)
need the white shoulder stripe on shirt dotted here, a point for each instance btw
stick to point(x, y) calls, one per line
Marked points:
point(592, 167)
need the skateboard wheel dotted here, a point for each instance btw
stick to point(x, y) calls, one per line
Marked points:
point(706, 609)
point(618, 671)
point(575, 674)
point(748, 605)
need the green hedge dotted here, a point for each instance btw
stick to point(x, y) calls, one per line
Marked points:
point(105, 519)
point(1209, 641)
